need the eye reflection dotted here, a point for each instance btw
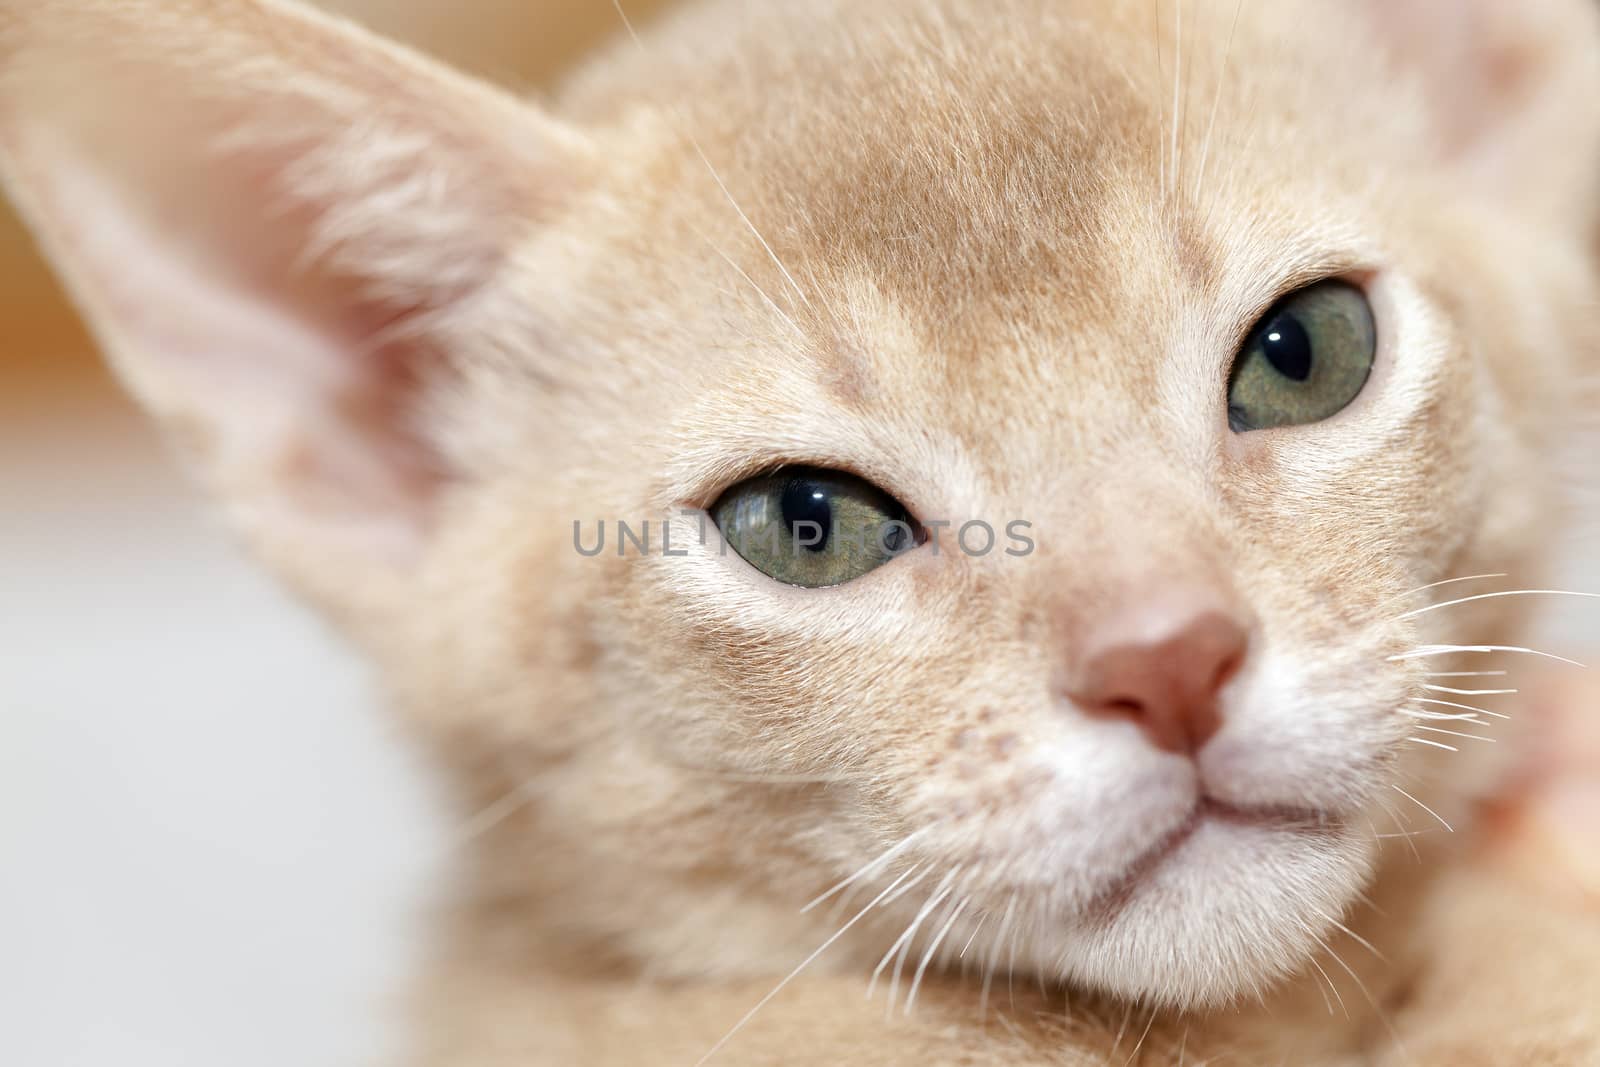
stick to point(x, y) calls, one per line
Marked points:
point(812, 527)
point(1307, 360)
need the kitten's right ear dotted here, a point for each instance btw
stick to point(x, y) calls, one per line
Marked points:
point(280, 228)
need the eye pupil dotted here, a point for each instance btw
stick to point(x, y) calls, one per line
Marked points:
point(803, 501)
point(1288, 348)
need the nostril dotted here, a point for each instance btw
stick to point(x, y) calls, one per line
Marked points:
point(1124, 706)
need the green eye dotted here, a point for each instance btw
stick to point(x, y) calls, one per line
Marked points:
point(1307, 359)
point(811, 527)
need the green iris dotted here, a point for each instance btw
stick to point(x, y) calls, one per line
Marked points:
point(1307, 359)
point(811, 527)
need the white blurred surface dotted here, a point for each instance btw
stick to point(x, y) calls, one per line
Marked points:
point(212, 852)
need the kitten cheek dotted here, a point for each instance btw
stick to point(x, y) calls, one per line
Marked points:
point(1058, 813)
point(1325, 740)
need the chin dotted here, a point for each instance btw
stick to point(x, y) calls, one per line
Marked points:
point(1219, 912)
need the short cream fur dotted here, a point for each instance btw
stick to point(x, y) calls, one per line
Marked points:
point(996, 256)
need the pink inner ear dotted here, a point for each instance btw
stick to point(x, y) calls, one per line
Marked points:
point(282, 370)
point(272, 220)
point(272, 294)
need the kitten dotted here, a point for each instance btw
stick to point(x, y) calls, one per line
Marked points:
point(1236, 327)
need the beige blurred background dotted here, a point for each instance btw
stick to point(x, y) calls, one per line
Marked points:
point(212, 851)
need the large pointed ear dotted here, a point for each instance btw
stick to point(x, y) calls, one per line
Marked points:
point(278, 226)
point(1513, 91)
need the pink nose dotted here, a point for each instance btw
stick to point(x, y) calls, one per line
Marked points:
point(1167, 678)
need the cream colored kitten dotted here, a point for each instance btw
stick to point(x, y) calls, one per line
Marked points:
point(1240, 326)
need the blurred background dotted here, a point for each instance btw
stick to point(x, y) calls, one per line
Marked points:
point(212, 850)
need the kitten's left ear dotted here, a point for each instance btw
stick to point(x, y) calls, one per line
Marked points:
point(276, 224)
point(1513, 91)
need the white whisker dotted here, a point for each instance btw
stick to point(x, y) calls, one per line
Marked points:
point(751, 1014)
point(981, 920)
point(1365, 992)
point(1216, 100)
point(1436, 585)
point(1161, 118)
point(916, 981)
point(1011, 966)
point(1328, 980)
point(911, 937)
point(906, 935)
point(902, 891)
point(865, 871)
point(771, 303)
point(694, 142)
point(1122, 1030)
point(1177, 83)
point(1442, 716)
point(1466, 674)
point(1434, 744)
point(1454, 733)
point(1369, 902)
point(1139, 1044)
point(494, 814)
point(1362, 986)
point(1394, 817)
point(1447, 650)
point(1424, 807)
point(1461, 707)
point(1471, 692)
point(991, 960)
point(1496, 596)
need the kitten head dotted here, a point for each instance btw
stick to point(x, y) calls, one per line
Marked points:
point(1034, 425)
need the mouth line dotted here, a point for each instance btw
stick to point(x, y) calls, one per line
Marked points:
point(1110, 901)
point(1279, 817)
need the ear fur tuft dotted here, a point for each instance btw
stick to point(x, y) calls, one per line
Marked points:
point(272, 219)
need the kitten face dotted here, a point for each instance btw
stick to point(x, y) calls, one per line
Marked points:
point(1000, 261)
point(1007, 298)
